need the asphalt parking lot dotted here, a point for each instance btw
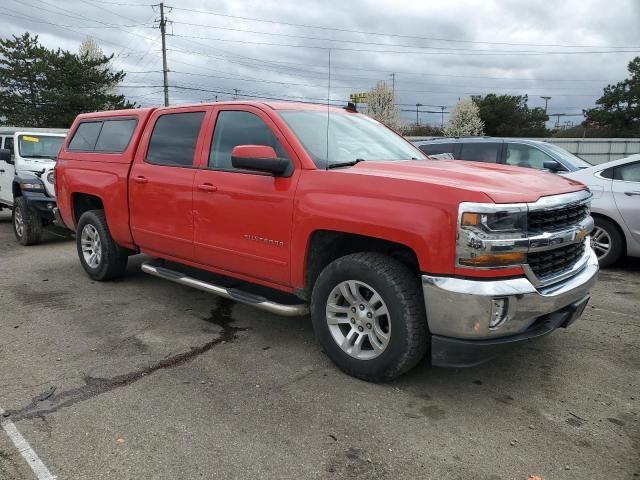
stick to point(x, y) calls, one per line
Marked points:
point(142, 378)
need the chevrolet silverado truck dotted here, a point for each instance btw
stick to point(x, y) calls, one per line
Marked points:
point(26, 180)
point(297, 208)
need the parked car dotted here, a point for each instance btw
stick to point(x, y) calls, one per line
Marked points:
point(26, 175)
point(615, 208)
point(519, 152)
point(395, 255)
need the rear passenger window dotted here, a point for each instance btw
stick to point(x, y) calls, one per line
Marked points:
point(86, 136)
point(481, 152)
point(174, 137)
point(438, 148)
point(115, 135)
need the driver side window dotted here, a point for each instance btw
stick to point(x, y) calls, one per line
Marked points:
point(235, 128)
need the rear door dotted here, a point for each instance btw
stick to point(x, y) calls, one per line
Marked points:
point(243, 220)
point(626, 192)
point(161, 183)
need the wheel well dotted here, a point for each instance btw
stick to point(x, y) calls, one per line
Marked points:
point(16, 190)
point(620, 231)
point(326, 246)
point(83, 202)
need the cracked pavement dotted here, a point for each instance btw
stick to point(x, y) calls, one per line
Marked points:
point(142, 378)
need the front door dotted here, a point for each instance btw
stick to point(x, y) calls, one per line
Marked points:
point(626, 192)
point(243, 220)
point(7, 172)
point(161, 184)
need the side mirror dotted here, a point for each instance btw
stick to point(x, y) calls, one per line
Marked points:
point(258, 158)
point(5, 155)
point(553, 166)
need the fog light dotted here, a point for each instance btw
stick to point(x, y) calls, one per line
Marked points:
point(49, 206)
point(499, 309)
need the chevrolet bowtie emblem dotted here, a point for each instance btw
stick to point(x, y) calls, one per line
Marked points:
point(581, 234)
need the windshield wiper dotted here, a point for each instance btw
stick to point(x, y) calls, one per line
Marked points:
point(345, 164)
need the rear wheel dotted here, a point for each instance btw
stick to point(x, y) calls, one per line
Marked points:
point(27, 224)
point(607, 241)
point(368, 313)
point(99, 254)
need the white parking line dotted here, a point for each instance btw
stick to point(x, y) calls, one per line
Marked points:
point(39, 468)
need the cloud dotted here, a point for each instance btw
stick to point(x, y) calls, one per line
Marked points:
point(499, 47)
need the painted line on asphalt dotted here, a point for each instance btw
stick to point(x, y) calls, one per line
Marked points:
point(39, 468)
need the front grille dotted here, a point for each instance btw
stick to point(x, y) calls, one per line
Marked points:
point(556, 219)
point(550, 263)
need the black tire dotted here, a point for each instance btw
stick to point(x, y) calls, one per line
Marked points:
point(400, 289)
point(113, 261)
point(30, 232)
point(617, 249)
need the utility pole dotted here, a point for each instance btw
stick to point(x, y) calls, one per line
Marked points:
point(546, 100)
point(393, 83)
point(557, 120)
point(417, 118)
point(442, 113)
point(163, 30)
point(235, 93)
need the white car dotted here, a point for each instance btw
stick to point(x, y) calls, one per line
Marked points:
point(615, 208)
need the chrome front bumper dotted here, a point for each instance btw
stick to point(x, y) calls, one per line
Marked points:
point(462, 309)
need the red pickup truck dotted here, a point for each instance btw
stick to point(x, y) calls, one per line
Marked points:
point(295, 208)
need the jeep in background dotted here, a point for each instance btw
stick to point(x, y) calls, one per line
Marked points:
point(294, 208)
point(26, 180)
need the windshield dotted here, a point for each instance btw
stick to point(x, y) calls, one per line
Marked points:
point(569, 157)
point(39, 146)
point(351, 137)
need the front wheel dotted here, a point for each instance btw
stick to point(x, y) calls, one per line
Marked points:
point(607, 241)
point(27, 224)
point(99, 254)
point(368, 314)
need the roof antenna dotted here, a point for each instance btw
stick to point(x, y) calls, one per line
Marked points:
point(328, 109)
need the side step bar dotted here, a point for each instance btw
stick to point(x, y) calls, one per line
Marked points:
point(230, 293)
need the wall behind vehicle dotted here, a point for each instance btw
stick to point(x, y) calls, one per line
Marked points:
point(592, 150)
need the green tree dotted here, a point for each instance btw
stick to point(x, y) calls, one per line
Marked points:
point(48, 88)
point(618, 110)
point(510, 116)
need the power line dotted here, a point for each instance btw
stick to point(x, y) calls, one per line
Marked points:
point(385, 34)
point(360, 42)
point(407, 52)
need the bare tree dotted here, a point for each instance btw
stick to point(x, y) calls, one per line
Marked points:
point(464, 120)
point(381, 105)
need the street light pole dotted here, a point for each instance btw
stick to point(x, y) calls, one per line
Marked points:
point(546, 100)
point(417, 118)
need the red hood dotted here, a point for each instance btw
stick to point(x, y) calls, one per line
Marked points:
point(502, 183)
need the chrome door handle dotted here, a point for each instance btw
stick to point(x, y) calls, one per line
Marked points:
point(141, 180)
point(630, 194)
point(207, 187)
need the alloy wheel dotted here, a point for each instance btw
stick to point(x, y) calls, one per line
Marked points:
point(600, 242)
point(358, 319)
point(91, 246)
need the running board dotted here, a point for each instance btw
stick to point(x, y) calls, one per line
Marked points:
point(230, 293)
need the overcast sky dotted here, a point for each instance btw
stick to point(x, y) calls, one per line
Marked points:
point(439, 50)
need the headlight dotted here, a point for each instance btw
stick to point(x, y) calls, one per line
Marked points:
point(491, 236)
point(32, 186)
point(51, 177)
point(496, 222)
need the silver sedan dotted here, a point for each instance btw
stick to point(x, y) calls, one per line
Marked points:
point(615, 208)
